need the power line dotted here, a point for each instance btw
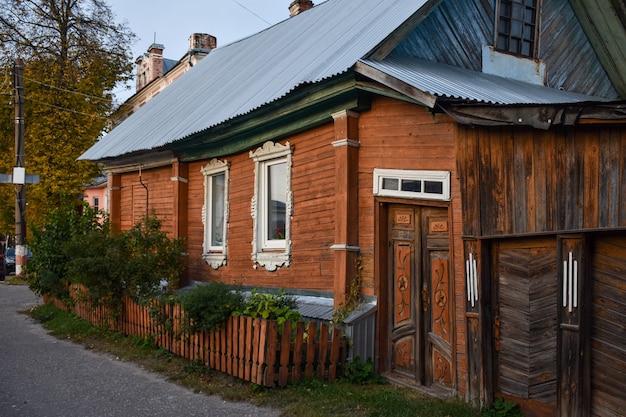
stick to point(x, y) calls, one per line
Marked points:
point(108, 100)
point(66, 109)
point(250, 11)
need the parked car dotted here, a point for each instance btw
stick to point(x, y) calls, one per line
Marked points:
point(9, 260)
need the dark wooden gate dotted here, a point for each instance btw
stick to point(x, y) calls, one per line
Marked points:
point(525, 323)
point(420, 323)
point(608, 330)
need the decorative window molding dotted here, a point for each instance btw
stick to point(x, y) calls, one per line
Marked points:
point(429, 185)
point(215, 212)
point(272, 206)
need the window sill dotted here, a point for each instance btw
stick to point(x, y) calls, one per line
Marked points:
point(271, 260)
point(215, 260)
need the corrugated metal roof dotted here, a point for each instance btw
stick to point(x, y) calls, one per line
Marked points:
point(442, 80)
point(235, 79)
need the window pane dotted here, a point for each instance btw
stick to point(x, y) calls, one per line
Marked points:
point(217, 210)
point(413, 186)
point(433, 187)
point(516, 28)
point(390, 184)
point(277, 202)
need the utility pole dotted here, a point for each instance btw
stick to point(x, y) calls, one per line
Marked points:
point(19, 170)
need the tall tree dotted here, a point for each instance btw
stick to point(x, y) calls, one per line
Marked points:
point(75, 54)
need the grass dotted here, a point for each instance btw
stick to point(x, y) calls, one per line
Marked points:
point(308, 399)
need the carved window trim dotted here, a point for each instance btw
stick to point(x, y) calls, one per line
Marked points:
point(270, 258)
point(215, 256)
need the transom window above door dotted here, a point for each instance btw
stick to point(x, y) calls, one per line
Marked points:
point(430, 185)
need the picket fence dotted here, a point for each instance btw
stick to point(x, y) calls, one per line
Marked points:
point(251, 349)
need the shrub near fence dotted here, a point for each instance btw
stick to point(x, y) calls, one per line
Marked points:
point(251, 349)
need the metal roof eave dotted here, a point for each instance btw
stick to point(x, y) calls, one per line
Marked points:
point(422, 97)
point(540, 116)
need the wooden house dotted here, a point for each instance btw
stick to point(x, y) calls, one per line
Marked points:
point(462, 162)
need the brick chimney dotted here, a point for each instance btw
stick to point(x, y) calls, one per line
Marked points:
point(299, 6)
point(150, 65)
point(202, 41)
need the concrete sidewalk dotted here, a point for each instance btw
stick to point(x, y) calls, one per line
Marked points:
point(41, 376)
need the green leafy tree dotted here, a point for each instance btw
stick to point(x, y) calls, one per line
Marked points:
point(75, 54)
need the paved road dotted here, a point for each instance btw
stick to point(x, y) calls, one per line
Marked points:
point(41, 376)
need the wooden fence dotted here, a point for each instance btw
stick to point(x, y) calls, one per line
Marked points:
point(250, 349)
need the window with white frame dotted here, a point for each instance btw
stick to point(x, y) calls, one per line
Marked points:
point(272, 205)
point(215, 212)
point(430, 185)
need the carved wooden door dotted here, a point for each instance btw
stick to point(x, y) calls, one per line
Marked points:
point(420, 337)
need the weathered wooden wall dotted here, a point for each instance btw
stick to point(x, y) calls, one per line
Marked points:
point(524, 181)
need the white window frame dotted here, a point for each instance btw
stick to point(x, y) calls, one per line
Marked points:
point(442, 177)
point(215, 256)
point(270, 253)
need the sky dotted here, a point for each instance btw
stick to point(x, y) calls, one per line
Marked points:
point(171, 22)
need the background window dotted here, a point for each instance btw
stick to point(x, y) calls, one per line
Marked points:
point(215, 212)
point(517, 27)
point(216, 217)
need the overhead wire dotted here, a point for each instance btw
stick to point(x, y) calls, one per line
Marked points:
point(250, 11)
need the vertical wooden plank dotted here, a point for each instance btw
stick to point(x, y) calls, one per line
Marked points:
point(335, 349)
point(242, 346)
point(310, 350)
point(249, 355)
point(234, 322)
point(228, 335)
point(322, 350)
point(622, 169)
point(268, 359)
point(591, 180)
point(285, 348)
point(519, 210)
point(222, 335)
point(574, 182)
point(256, 342)
point(262, 349)
point(296, 373)
point(211, 348)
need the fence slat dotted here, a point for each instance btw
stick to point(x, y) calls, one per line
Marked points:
point(310, 350)
point(268, 361)
point(249, 356)
point(323, 350)
point(256, 343)
point(297, 351)
point(285, 348)
point(335, 349)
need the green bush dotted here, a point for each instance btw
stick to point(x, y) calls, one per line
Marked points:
point(279, 306)
point(361, 373)
point(208, 306)
point(75, 247)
